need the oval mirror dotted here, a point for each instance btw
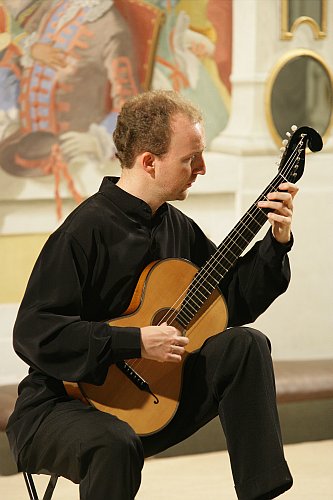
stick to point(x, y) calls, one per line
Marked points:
point(300, 92)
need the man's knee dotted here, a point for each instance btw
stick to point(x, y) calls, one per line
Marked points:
point(111, 463)
point(120, 438)
point(248, 336)
point(109, 440)
point(260, 338)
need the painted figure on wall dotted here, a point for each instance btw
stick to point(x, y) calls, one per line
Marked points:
point(194, 55)
point(75, 71)
point(67, 66)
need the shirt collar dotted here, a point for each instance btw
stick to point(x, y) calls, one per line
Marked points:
point(134, 207)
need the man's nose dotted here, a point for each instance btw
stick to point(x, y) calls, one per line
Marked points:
point(199, 165)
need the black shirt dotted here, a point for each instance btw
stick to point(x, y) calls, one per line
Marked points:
point(86, 274)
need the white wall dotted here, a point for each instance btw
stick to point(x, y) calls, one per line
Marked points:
point(12, 369)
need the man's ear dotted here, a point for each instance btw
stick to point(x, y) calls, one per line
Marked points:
point(148, 162)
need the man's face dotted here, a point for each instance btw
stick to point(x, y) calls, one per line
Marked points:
point(176, 171)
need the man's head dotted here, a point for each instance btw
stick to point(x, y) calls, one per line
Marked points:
point(145, 124)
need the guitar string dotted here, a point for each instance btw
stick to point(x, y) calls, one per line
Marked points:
point(172, 312)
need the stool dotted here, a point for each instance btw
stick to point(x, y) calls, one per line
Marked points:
point(32, 489)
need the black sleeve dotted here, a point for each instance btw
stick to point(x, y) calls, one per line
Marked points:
point(49, 333)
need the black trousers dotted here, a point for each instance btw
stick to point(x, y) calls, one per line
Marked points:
point(230, 376)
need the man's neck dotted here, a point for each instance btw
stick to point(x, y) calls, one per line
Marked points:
point(139, 189)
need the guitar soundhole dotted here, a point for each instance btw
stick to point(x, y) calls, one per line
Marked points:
point(170, 316)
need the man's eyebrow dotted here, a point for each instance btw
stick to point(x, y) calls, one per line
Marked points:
point(195, 152)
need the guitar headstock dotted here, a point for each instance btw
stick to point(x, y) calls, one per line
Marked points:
point(292, 161)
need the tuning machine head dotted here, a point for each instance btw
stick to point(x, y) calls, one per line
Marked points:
point(285, 142)
point(293, 129)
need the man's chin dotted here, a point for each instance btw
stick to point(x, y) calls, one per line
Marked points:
point(179, 196)
point(182, 196)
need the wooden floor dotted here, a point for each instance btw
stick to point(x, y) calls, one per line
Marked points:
point(206, 477)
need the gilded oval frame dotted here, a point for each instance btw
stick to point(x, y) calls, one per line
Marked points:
point(280, 64)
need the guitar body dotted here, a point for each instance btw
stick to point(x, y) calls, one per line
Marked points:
point(159, 288)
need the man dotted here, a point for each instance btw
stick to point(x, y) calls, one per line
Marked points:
point(87, 273)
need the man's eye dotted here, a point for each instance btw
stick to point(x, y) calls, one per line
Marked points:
point(190, 159)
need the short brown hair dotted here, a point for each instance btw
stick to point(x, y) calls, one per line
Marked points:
point(144, 123)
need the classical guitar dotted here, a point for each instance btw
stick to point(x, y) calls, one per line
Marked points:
point(146, 393)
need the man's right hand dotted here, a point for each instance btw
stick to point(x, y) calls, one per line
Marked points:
point(162, 343)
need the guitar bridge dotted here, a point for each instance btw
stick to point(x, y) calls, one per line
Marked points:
point(134, 377)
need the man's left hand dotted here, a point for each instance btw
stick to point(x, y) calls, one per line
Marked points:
point(281, 203)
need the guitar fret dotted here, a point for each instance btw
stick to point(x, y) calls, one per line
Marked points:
point(197, 303)
point(246, 228)
point(183, 313)
point(215, 275)
point(188, 305)
point(180, 320)
point(239, 235)
point(259, 225)
point(202, 294)
point(206, 290)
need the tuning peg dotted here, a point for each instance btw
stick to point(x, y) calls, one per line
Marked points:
point(293, 128)
point(283, 149)
point(285, 142)
point(288, 134)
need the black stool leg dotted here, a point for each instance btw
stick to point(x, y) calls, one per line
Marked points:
point(50, 487)
point(32, 490)
point(30, 486)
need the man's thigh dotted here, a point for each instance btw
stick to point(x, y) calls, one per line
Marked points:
point(67, 437)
